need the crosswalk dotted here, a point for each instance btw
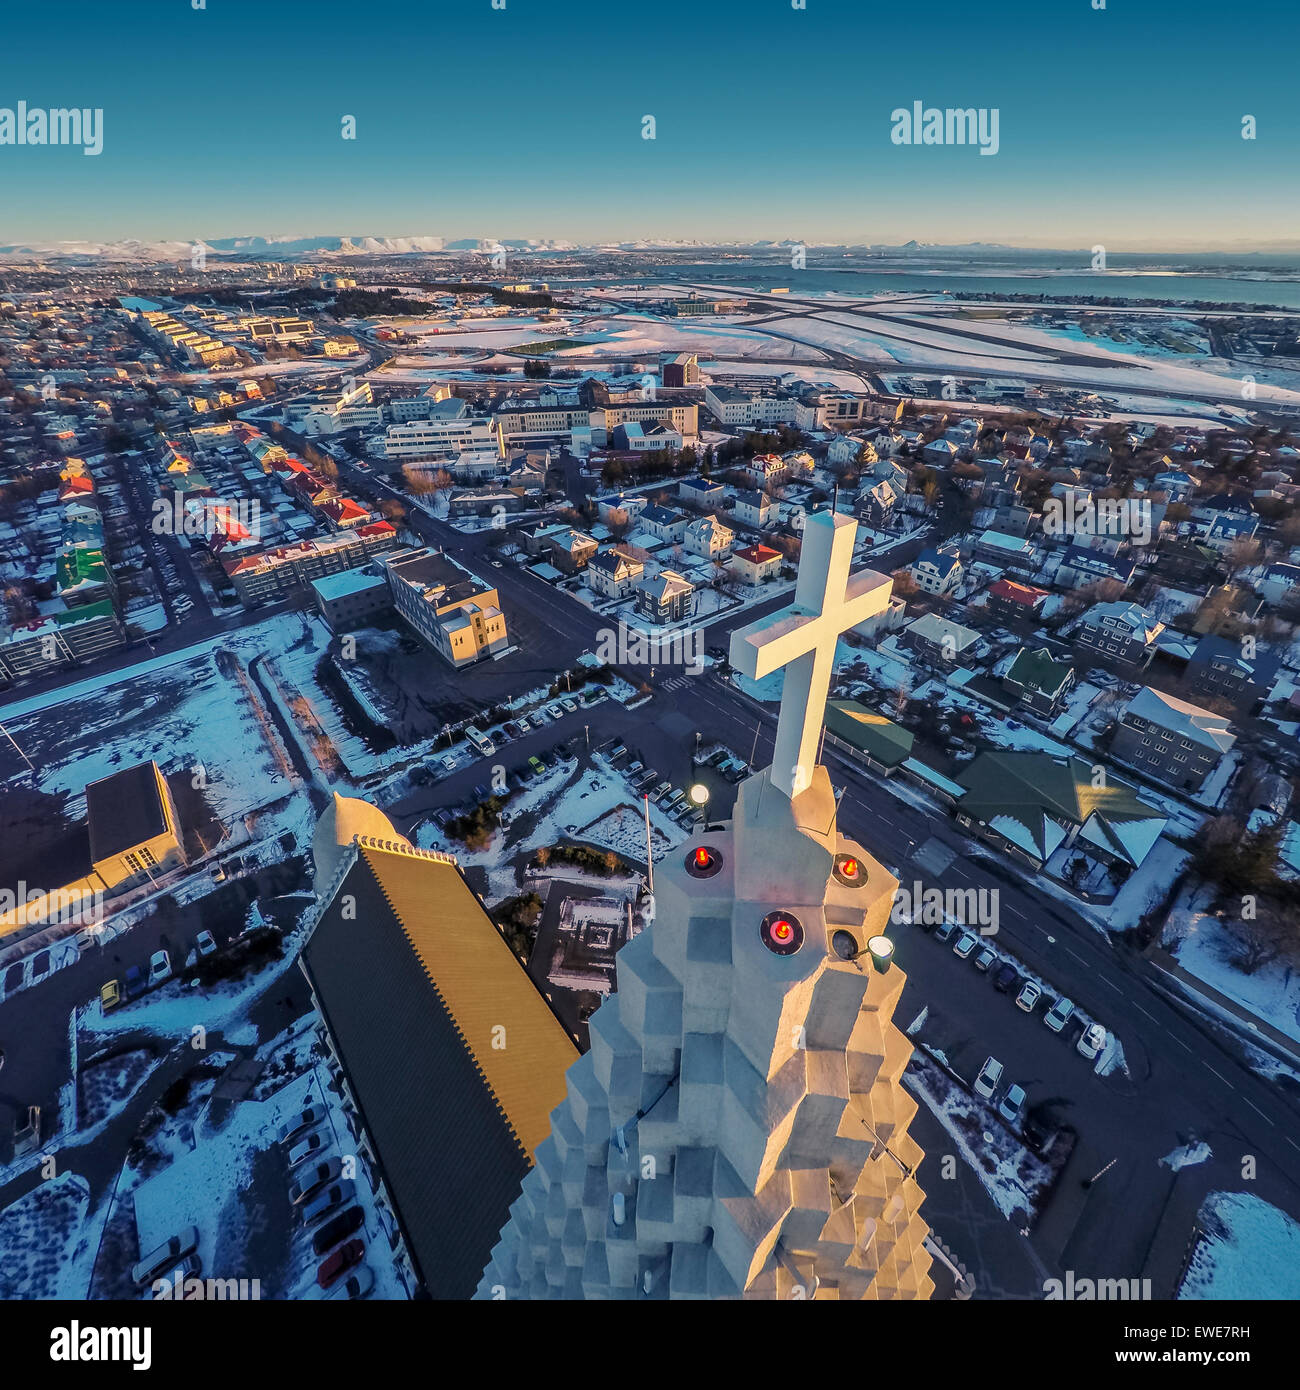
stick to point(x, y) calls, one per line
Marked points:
point(677, 683)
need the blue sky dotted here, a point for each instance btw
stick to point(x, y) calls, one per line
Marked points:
point(1120, 126)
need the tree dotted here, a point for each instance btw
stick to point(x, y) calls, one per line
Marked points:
point(905, 584)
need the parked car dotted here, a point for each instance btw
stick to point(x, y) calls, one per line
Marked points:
point(1005, 977)
point(536, 766)
point(110, 996)
point(1012, 1105)
point(1029, 996)
point(555, 711)
point(660, 790)
point(989, 1076)
point(718, 758)
point(317, 1175)
point(965, 944)
point(329, 1200)
point(357, 1285)
point(441, 816)
point(513, 730)
point(571, 706)
point(1091, 1041)
point(160, 968)
point(337, 1229)
point(984, 958)
point(134, 981)
point(310, 1145)
point(594, 694)
point(687, 818)
point(340, 1262)
point(157, 1262)
point(205, 944)
point(945, 931)
point(618, 751)
point(304, 1119)
point(1059, 1014)
point(448, 762)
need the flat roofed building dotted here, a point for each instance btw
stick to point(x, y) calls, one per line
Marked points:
point(457, 614)
point(134, 832)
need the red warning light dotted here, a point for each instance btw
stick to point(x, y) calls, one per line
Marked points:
point(850, 870)
point(703, 862)
point(781, 933)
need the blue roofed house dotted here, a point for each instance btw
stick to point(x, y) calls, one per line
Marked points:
point(937, 570)
point(1228, 528)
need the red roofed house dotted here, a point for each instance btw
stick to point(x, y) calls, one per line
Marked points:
point(341, 512)
point(755, 563)
point(1011, 601)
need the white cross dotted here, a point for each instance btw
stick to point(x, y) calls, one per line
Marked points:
point(802, 638)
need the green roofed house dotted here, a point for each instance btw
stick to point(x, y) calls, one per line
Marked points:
point(883, 744)
point(1037, 681)
point(1030, 805)
point(83, 576)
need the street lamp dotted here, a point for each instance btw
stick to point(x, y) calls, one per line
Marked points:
point(698, 795)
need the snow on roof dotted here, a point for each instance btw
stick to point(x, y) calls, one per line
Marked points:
point(1182, 719)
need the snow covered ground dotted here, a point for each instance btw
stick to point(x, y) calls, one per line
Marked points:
point(1272, 993)
point(1249, 1249)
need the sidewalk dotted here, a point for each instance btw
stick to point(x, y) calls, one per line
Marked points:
point(1167, 965)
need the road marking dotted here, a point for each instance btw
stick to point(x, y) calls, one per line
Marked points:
point(1181, 1043)
point(1259, 1112)
point(1220, 1075)
point(1141, 1010)
point(1106, 980)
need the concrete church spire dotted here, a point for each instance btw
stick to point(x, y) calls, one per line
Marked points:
point(738, 1128)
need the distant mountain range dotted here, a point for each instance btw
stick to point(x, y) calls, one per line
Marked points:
point(325, 248)
point(288, 248)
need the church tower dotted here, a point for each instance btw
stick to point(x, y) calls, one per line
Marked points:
point(738, 1128)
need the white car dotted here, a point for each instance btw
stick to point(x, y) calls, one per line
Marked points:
point(570, 705)
point(1029, 996)
point(309, 1145)
point(205, 945)
point(160, 967)
point(448, 762)
point(989, 1076)
point(555, 711)
point(1091, 1042)
point(313, 1114)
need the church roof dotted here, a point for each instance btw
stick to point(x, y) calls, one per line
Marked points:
point(454, 1057)
point(343, 820)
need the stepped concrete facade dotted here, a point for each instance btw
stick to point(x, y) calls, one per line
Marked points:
point(738, 1128)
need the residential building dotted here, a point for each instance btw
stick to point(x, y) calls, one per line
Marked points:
point(1015, 552)
point(883, 745)
point(664, 524)
point(1239, 671)
point(612, 574)
point(1012, 602)
point(1171, 740)
point(752, 508)
point(937, 570)
point(286, 569)
point(701, 492)
point(708, 537)
point(457, 614)
point(1037, 681)
point(755, 564)
point(1122, 631)
point(666, 597)
point(681, 369)
point(77, 634)
point(1031, 804)
point(940, 641)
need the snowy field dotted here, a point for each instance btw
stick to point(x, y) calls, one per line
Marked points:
point(1248, 1249)
point(1272, 993)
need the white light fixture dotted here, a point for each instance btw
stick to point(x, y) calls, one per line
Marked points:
point(882, 952)
point(699, 793)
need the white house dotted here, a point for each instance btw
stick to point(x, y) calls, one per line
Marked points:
point(708, 537)
point(937, 571)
